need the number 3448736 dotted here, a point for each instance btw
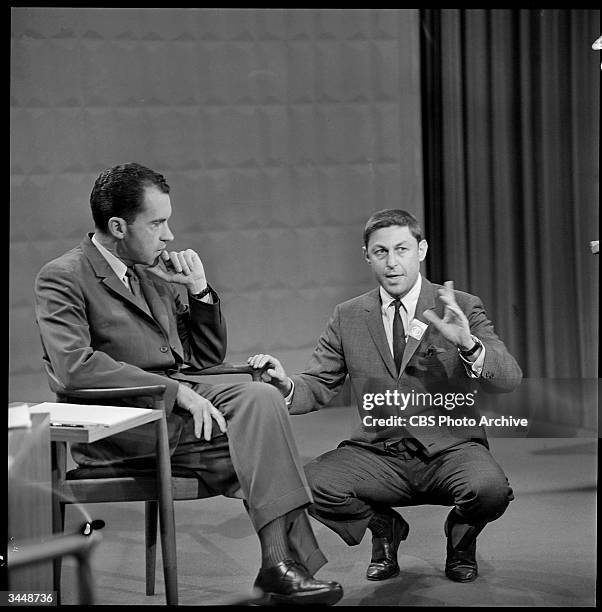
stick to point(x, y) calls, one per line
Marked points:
point(29, 598)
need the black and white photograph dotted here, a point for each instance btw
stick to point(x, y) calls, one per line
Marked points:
point(303, 307)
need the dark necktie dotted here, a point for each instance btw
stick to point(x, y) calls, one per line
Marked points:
point(399, 336)
point(134, 282)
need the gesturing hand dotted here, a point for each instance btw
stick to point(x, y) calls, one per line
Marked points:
point(202, 410)
point(182, 267)
point(454, 326)
point(274, 372)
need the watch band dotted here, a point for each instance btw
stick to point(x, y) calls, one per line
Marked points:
point(201, 294)
point(473, 350)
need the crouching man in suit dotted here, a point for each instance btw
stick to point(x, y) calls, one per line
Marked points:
point(405, 341)
point(121, 310)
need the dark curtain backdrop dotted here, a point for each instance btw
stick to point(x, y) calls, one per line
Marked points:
point(511, 152)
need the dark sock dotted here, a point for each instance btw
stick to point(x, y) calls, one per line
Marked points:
point(274, 543)
point(381, 526)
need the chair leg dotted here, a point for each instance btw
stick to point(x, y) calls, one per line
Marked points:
point(84, 579)
point(151, 512)
point(58, 462)
point(58, 526)
point(166, 515)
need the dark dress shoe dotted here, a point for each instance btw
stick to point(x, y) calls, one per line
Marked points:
point(384, 564)
point(289, 582)
point(461, 563)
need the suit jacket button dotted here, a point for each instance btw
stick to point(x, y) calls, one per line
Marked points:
point(164, 349)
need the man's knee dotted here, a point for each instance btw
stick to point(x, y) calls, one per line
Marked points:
point(264, 393)
point(255, 402)
point(489, 496)
point(494, 499)
point(261, 399)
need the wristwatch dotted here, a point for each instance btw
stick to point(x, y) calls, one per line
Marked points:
point(201, 294)
point(474, 349)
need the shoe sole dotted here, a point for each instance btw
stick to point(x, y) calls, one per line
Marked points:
point(324, 598)
point(461, 580)
point(392, 575)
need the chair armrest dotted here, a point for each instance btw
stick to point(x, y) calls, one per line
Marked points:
point(155, 391)
point(51, 548)
point(224, 368)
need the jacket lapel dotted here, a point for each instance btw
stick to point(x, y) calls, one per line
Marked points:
point(374, 321)
point(109, 279)
point(426, 301)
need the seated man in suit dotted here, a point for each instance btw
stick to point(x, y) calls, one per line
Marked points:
point(406, 346)
point(112, 313)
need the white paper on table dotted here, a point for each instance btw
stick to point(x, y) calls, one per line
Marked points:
point(87, 414)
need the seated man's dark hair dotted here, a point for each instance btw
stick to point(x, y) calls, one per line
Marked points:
point(119, 192)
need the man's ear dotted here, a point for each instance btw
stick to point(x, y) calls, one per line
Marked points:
point(117, 227)
point(422, 249)
point(365, 252)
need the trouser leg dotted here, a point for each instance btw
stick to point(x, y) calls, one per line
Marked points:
point(349, 484)
point(262, 454)
point(468, 477)
point(303, 543)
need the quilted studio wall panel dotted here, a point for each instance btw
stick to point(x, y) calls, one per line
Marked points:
point(279, 131)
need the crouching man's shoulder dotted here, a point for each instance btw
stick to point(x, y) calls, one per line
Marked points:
point(366, 301)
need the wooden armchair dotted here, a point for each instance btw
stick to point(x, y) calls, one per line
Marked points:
point(124, 483)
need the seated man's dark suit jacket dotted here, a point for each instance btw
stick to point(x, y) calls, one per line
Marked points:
point(95, 333)
point(355, 343)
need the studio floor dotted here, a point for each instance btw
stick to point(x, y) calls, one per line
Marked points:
point(540, 553)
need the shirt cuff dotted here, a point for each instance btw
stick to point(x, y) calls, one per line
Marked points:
point(474, 368)
point(289, 398)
